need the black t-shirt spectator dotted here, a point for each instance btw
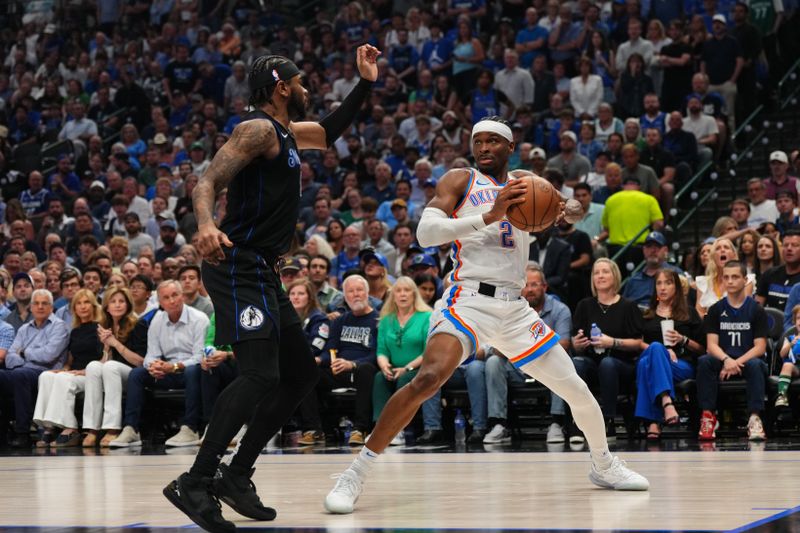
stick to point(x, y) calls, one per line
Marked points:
point(677, 80)
point(543, 87)
point(136, 342)
point(182, 76)
point(390, 102)
point(657, 158)
point(354, 338)
point(84, 345)
point(775, 285)
point(622, 320)
point(581, 244)
point(720, 56)
point(692, 328)
point(737, 328)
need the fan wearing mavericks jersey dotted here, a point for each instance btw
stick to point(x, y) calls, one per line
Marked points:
point(737, 329)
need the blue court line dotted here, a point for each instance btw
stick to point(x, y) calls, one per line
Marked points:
point(767, 520)
point(135, 524)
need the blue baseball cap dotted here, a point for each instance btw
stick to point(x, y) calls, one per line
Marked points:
point(656, 237)
point(369, 254)
point(430, 182)
point(423, 260)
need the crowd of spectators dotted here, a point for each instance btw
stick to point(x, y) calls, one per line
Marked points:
point(110, 113)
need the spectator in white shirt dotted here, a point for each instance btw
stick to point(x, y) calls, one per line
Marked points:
point(79, 128)
point(586, 89)
point(761, 209)
point(634, 45)
point(345, 84)
point(514, 82)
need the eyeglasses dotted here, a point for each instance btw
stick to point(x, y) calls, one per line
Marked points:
point(399, 338)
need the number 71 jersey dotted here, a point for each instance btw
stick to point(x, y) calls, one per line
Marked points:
point(496, 254)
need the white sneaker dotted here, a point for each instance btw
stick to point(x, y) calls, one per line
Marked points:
point(345, 493)
point(184, 437)
point(498, 435)
point(128, 437)
point(398, 440)
point(555, 433)
point(755, 429)
point(618, 477)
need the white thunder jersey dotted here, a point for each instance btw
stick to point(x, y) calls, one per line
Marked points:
point(496, 254)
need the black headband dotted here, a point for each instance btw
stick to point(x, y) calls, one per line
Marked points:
point(281, 72)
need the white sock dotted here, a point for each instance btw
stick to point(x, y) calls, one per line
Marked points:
point(363, 462)
point(602, 459)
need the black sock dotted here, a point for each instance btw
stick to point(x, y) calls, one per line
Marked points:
point(207, 460)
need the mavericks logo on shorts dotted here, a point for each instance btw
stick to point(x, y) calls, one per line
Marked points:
point(538, 330)
point(251, 318)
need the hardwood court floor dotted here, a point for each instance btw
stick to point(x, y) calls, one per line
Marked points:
point(690, 491)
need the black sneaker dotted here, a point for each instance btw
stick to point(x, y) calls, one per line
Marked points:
point(240, 493)
point(196, 499)
point(476, 437)
point(431, 436)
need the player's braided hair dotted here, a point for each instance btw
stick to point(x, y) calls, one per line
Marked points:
point(263, 95)
point(495, 118)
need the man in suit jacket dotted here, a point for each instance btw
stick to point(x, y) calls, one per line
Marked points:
point(553, 255)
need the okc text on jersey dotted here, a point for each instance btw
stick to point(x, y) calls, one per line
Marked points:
point(483, 196)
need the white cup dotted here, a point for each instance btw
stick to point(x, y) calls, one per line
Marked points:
point(666, 325)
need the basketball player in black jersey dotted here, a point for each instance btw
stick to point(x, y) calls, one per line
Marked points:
point(260, 167)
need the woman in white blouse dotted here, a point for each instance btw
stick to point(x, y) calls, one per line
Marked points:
point(710, 288)
point(585, 89)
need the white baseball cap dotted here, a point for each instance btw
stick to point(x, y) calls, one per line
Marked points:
point(537, 152)
point(779, 155)
point(571, 135)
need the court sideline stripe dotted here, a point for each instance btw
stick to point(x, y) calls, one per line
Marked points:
point(767, 520)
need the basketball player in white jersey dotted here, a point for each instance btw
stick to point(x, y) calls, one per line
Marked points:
point(483, 306)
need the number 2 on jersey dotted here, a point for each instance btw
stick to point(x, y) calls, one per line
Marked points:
point(506, 234)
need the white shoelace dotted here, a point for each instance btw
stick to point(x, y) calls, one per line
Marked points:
point(346, 483)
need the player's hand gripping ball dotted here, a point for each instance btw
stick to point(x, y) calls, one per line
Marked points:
point(542, 205)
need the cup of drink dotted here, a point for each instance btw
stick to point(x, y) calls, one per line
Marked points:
point(666, 325)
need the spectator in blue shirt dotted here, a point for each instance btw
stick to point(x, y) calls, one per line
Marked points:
point(39, 345)
point(437, 52)
point(34, 198)
point(403, 59)
point(531, 40)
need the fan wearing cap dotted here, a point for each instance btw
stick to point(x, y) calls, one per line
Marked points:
point(722, 61)
point(484, 306)
point(625, 215)
point(779, 178)
point(571, 164)
point(260, 168)
point(641, 285)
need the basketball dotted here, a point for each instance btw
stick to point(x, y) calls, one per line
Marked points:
point(540, 208)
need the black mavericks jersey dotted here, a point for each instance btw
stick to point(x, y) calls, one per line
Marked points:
point(737, 328)
point(264, 198)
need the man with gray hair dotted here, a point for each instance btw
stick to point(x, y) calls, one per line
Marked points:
point(513, 81)
point(39, 345)
point(762, 209)
point(348, 360)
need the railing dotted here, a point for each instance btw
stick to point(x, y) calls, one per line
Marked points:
point(737, 159)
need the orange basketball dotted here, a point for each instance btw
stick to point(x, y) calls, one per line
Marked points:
point(540, 208)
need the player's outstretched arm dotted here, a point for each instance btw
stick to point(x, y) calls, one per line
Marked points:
point(250, 139)
point(318, 136)
point(436, 225)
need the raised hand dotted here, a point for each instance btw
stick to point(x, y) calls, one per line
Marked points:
point(367, 61)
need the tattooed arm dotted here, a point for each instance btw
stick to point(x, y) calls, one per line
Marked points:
point(250, 139)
